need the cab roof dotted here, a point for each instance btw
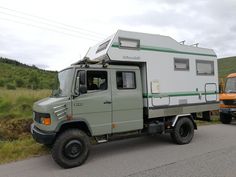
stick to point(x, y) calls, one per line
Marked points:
point(100, 66)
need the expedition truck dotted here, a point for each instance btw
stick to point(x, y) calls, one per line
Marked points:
point(228, 100)
point(130, 84)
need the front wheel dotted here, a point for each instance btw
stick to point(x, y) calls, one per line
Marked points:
point(71, 148)
point(183, 131)
point(225, 118)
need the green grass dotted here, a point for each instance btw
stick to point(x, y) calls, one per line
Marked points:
point(15, 74)
point(16, 111)
point(226, 66)
point(18, 103)
point(214, 120)
point(15, 119)
point(20, 149)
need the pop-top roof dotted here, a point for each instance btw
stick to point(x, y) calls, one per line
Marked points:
point(135, 45)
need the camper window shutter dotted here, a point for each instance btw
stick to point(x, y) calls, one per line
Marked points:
point(205, 67)
point(181, 64)
point(129, 43)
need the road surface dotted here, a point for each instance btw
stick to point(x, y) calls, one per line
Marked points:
point(212, 153)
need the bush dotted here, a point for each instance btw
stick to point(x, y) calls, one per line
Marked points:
point(19, 82)
point(5, 106)
point(2, 83)
point(34, 81)
point(11, 86)
point(24, 105)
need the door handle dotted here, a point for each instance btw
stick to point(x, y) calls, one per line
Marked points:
point(78, 104)
point(107, 102)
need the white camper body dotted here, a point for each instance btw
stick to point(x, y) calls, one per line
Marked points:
point(176, 78)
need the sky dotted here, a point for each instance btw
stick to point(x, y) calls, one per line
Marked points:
point(53, 34)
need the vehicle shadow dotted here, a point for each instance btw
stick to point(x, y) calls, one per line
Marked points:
point(233, 122)
point(128, 145)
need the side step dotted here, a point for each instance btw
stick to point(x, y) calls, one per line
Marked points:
point(118, 136)
point(101, 139)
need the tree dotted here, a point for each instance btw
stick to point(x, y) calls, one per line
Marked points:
point(2, 83)
point(19, 82)
point(34, 81)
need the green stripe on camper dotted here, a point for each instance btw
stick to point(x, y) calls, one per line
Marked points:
point(167, 50)
point(176, 94)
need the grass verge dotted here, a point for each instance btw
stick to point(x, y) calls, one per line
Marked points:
point(18, 103)
point(20, 149)
point(16, 142)
point(214, 120)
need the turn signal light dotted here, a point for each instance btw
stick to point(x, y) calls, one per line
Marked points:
point(46, 121)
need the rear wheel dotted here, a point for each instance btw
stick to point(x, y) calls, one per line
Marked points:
point(71, 148)
point(183, 131)
point(225, 118)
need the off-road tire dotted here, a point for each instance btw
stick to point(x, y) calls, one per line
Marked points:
point(183, 131)
point(225, 118)
point(60, 148)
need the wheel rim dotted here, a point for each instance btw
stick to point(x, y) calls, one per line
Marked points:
point(184, 130)
point(73, 149)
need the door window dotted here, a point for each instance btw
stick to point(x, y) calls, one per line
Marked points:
point(96, 80)
point(125, 80)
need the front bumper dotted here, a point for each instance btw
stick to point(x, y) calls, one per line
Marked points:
point(42, 137)
point(231, 111)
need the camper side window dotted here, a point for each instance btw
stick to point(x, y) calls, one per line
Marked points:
point(205, 67)
point(125, 80)
point(181, 64)
point(103, 46)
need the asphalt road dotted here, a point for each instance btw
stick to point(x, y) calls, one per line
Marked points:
point(211, 153)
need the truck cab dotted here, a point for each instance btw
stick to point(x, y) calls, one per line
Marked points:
point(104, 100)
point(228, 100)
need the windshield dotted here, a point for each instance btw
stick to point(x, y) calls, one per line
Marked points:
point(64, 83)
point(230, 86)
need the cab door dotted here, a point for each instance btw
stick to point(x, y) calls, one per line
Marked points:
point(94, 106)
point(127, 101)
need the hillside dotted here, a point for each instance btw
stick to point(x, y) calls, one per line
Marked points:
point(15, 74)
point(226, 66)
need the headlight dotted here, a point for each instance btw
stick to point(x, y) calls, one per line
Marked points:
point(46, 120)
point(42, 118)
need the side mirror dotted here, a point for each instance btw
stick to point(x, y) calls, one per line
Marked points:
point(221, 86)
point(82, 76)
point(221, 90)
point(82, 89)
point(55, 92)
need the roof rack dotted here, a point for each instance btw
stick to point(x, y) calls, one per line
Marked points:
point(86, 61)
point(196, 44)
point(182, 42)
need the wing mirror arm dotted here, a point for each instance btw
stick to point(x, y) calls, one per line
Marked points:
point(79, 88)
